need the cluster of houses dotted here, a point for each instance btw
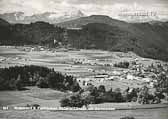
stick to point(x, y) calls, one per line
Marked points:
point(144, 73)
point(136, 71)
point(8, 60)
point(2, 60)
point(84, 61)
point(34, 48)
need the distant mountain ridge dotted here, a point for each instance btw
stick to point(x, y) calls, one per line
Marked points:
point(90, 19)
point(97, 32)
point(51, 17)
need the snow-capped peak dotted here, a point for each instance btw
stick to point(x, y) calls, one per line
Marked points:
point(51, 17)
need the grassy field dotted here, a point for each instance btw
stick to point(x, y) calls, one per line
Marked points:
point(33, 95)
point(50, 98)
point(138, 114)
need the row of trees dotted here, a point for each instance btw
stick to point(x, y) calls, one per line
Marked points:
point(17, 77)
point(162, 83)
point(94, 95)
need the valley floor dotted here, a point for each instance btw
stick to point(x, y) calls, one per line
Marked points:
point(81, 64)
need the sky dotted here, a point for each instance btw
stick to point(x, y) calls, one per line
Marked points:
point(89, 7)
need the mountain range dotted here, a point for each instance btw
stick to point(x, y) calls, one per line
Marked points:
point(51, 17)
point(92, 32)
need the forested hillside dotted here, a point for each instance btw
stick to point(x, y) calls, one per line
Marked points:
point(97, 32)
point(40, 33)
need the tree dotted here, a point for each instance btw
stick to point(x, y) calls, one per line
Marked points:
point(73, 101)
point(17, 77)
point(162, 83)
point(18, 83)
point(143, 95)
point(2, 84)
point(117, 95)
point(75, 87)
point(131, 95)
point(42, 83)
point(65, 102)
point(102, 89)
point(55, 80)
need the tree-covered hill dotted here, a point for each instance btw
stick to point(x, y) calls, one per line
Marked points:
point(97, 32)
point(40, 33)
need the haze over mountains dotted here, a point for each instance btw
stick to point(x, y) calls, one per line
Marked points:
point(96, 32)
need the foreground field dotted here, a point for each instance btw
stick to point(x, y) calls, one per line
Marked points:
point(33, 95)
point(138, 114)
point(50, 98)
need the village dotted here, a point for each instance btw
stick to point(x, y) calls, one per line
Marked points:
point(90, 68)
point(107, 79)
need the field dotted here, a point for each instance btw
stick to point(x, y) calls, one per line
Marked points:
point(50, 98)
point(138, 114)
point(69, 62)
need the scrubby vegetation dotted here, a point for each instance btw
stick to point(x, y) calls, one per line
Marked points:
point(15, 78)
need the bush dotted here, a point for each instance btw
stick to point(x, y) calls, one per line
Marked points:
point(73, 101)
point(65, 102)
point(90, 99)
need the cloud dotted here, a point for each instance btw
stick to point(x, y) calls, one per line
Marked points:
point(29, 6)
point(107, 2)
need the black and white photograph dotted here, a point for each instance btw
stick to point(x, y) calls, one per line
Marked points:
point(83, 59)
